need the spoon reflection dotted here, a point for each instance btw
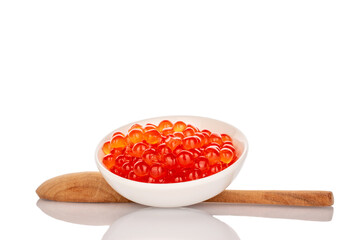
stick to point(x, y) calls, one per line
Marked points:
point(107, 213)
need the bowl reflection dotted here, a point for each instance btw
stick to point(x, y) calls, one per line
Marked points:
point(171, 223)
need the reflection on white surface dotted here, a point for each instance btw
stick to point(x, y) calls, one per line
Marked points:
point(169, 223)
point(134, 221)
point(95, 214)
point(107, 213)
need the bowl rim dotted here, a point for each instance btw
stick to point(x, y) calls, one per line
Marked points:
point(213, 177)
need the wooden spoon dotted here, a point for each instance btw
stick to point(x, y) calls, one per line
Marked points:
point(92, 187)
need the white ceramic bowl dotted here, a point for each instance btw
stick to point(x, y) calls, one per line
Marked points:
point(183, 193)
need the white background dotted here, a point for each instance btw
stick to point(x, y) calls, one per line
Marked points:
point(284, 72)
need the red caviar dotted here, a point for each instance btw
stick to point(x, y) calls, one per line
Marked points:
point(168, 153)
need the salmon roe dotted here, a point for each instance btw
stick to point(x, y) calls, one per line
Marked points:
point(168, 152)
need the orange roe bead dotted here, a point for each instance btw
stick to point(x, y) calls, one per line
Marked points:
point(164, 124)
point(177, 150)
point(117, 151)
point(196, 152)
point(133, 176)
point(194, 174)
point(116, 170)
point(163, 149)
point(212, 154)
point(169, 161)
point(141, 169)
point(139, 148)
point(167, 131)
point(202, 163)
point(126, 168)
point(179, 126)
point(215, 169)
point(106, 147)
point(185, 159)
point(157, 171)
point(206, 138)
point(136, 135)
point(109, 161)
point(152, 136)
point(202, 138)
point(150, 156)
point(225, 137)
point(226, 155)
point(121, 159)
point(128, 150)
point(173, 142)
point(188, 132)
point(215, 138)
point(191, 142)
point(118, 141)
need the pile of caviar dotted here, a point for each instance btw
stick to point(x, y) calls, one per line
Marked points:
point(167, 153)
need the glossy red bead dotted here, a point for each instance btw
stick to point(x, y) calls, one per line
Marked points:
point(196, 152)
point(109, 161)
point(212, 154)
point(191, 142)
point(117, 151)
point(188, 132)
point(151, 156)
point(202, 163)
point(215, 169)
point(225, 137)
point(185, 159)
point(167, 131)
point(226, 155)
point(163, 150)
point(136, 135)
point(157, 171)
point(164, 124)
point(118, 141)
point(173, 142)
point(139, 148)
point(194, 174)
point(215, 138)
point(169, 161)
point(141, 169)
point(152, 136)
point(120, 160)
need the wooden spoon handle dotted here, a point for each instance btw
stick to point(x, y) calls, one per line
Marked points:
point(92, 187)
point(276, 197)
